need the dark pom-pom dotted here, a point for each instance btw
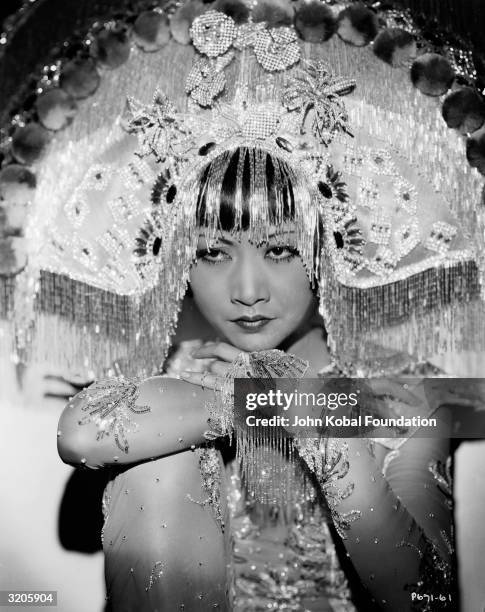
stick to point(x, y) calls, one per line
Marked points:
point(233, 8)
point(111, 46)
point(284, 144)
point(339, 240)
point(157, 243)
point(395, 46)
point(28, 143)
point(357, 25)
point(275, 13)
point(207, 148)
point(171, 193)
point(13, 255)
point(315, 22)
point(475, 150)
point(151, 31)
point(325, 189)
point(464, 110)
point(182, 19)
point(17, 184)
point(79, 78)
point(55, 109)
point(432, 74)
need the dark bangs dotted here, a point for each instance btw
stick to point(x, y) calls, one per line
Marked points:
point(243, 180)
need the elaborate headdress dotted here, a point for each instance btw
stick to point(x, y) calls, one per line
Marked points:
point(97, 271)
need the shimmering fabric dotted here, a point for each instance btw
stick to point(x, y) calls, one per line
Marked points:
point(183, 533)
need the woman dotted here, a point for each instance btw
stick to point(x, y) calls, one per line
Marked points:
point(112, 237)
point(167, 525)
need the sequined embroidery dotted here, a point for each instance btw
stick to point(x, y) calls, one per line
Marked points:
point(328, 460)
point(110, 404)
point(210, 471)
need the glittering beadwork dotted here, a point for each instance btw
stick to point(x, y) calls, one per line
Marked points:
point(442, 473)
point(259, 364)
point(395, 130)
point(109, 404)
point(212, 33)
point(316, 89)
point(277, 48)
point(440, 237)
point(155, 574)
point(210, 471)
point(328, 460)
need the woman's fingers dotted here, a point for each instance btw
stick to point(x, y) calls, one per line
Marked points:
point(217, 350)
point(465, 392)
point(220, 368)
point(206, 380)
point(56, 386)
point(394, 389)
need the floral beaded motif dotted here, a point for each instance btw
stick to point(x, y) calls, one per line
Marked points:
point(210, 471)
point(109, 404)
point(328, 460)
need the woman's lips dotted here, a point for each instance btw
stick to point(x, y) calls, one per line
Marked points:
point(252, 324)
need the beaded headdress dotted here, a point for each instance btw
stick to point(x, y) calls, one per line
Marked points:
point(97, 273)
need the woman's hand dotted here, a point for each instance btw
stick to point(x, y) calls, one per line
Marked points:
point(222, 355)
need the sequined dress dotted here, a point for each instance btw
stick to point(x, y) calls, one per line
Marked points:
point(181, 533)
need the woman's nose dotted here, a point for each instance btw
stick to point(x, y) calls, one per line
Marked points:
point(250, 284)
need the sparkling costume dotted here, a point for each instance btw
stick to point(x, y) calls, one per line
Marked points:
point(99, 282)
point(283, 557)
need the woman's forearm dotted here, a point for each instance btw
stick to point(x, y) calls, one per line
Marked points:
point(120, 422)
point(392, 545)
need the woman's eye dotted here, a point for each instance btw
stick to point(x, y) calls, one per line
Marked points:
point(213, 256)
point(281, 253)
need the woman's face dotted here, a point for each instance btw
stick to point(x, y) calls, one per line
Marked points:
point(255, 297)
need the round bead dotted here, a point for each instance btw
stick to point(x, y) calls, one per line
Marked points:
point(432, 74)
point(464, 110)
point(395, 46)
point(275, 13)
point(151, 31)
point(17, 185)
point(79, 78)
point(475, 150)
point(357, 25)
point(315, 22)
point(28, 143)
point(56, 109)
point(111, 47)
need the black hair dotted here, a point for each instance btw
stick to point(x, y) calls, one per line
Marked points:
point(229, 188)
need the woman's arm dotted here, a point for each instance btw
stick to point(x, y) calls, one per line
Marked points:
point(395, 518)
point(123, 421)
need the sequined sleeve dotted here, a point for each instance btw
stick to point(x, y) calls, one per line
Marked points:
point(124, 421)
point(399, 510)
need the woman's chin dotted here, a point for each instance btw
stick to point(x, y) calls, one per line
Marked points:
point(250, 343)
